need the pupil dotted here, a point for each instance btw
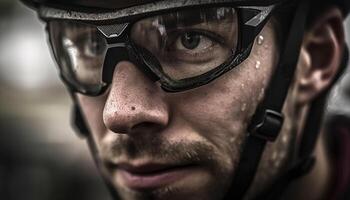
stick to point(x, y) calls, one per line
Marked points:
point(190, 40)
point(97, 46)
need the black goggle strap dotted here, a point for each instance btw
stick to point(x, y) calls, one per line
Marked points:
point(268, 120)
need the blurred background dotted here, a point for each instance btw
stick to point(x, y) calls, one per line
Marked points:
point(41, 158)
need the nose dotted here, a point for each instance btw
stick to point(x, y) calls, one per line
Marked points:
point(134, 103)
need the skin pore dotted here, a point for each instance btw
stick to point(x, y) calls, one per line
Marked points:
point(201, 131)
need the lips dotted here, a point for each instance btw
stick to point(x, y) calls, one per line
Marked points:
point(152, 175)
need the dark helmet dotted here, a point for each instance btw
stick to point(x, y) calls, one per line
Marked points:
point(107, 4)
point(111, 4)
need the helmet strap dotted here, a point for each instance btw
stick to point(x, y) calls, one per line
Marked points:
point(268, 119)
point(306, 160)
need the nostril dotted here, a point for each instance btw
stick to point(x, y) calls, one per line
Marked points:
point(116, 122)
point(145, 127)
point(117, 127)
point(134, 120)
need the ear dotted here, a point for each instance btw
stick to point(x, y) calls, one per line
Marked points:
point(321, 55)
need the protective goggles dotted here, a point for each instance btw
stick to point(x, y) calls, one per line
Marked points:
point(181, 48)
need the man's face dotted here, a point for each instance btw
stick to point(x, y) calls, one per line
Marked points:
point(157, 145)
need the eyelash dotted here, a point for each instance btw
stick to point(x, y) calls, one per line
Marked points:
point(215, 38)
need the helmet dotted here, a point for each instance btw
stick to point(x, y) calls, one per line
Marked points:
point(115, 5)
point(108, 4)
point(266, 122)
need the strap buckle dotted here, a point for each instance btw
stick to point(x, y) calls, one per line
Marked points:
point(270, 126)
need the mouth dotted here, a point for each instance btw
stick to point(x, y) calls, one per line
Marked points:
point(152, 175)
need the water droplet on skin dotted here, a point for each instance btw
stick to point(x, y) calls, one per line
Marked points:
point(244, 107)
point(242, 85)
point(260, 40)
point(261, 94)
point(284, 138)
point(257, 64)
point(274, 156)
point(277, 163)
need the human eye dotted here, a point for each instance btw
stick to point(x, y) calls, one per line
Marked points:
point(193, 45)
point(88, 42)
point(193, 42)
point(92, 45)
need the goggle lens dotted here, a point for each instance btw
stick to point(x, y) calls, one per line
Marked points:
point(80, 51)
point(185, 43)
point(189, 43)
